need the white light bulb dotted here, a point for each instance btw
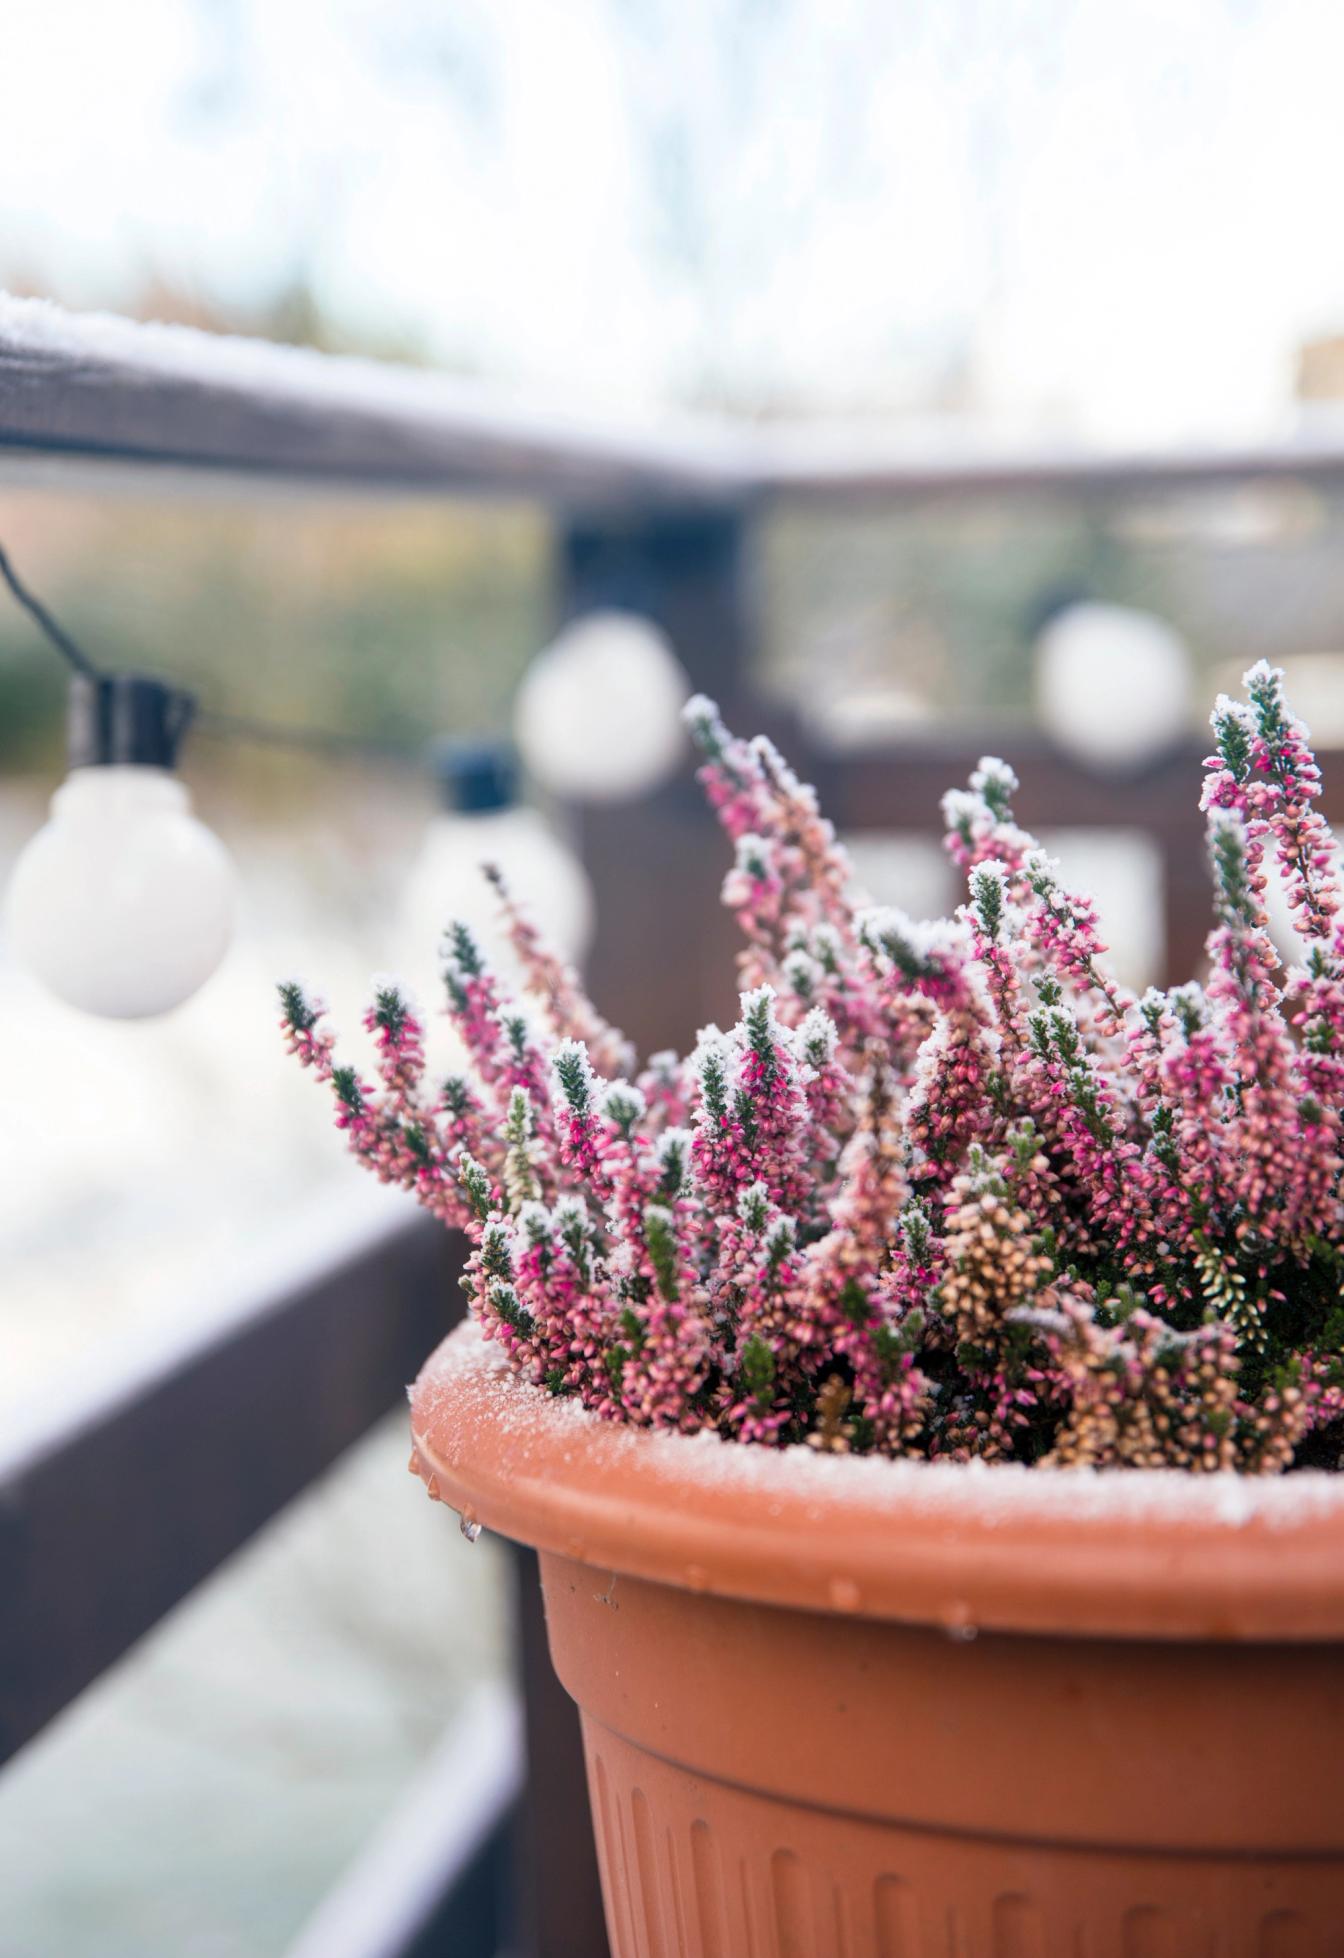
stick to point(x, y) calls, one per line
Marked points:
point(446, 883)
point(1113, 685)
point(598, 716)
point(122, 904)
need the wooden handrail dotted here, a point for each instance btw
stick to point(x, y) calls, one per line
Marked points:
point(90, 388)
point(126, 1502)
point(98, 390)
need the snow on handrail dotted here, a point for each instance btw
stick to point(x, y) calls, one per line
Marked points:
point(93, 388)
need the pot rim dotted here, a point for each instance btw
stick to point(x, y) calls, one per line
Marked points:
point(1114, 1552)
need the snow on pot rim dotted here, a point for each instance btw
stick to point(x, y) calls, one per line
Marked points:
point(1099, 1552)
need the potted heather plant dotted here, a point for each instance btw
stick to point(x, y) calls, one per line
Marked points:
point(921, 1396)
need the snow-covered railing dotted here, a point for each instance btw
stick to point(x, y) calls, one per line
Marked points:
point(91, 388)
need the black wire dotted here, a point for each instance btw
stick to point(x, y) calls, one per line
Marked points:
point(57, 634)
point(317, 740)
point(237, 727)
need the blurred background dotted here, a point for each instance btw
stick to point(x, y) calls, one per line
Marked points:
point(944, 229)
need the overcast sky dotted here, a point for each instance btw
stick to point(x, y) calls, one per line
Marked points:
point(1118, 219)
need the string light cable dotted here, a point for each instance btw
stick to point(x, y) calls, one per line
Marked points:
point(130, 700)
point(122, 903)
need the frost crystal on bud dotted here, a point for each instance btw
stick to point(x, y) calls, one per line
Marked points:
point(818, 1038)
point(574, 1073)
point(753, 1206)
point(995, 783)
point(988, 895)
point(622, 1105)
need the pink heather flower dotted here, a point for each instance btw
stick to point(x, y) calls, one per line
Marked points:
point(1060, 927)
point(995, 924)
point(790, 871)
point(1264, 772)
point(575, 1094)
point(1063, 929)
point(399, 1036)
point(754, 891)
point(666, 1090)
point(718, 1146)
point(980, 826)
point(556, 986)
point(307, 1033)
point(943, 1190)
point(474, 1003)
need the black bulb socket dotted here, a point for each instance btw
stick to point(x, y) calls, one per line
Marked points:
point(126, 720)
point(475, 778)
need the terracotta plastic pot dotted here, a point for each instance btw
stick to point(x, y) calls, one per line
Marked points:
point(884, 1710)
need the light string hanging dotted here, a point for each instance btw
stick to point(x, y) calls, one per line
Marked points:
point(189, 712)
point(612, 666)
point(50, 627)
point(122, 904)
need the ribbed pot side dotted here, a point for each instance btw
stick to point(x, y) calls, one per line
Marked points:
point(872, 1710)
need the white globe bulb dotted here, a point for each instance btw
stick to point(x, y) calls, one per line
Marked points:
point(598, 717)
point(123, 903)
point(1113, 685)
point(446, 883)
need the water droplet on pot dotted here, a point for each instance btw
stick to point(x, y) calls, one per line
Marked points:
point(957, 1623)
point(844, 1594)
point(697, 1579)
point(469, 1527)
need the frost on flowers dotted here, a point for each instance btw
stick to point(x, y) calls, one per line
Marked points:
point(941, 1190)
